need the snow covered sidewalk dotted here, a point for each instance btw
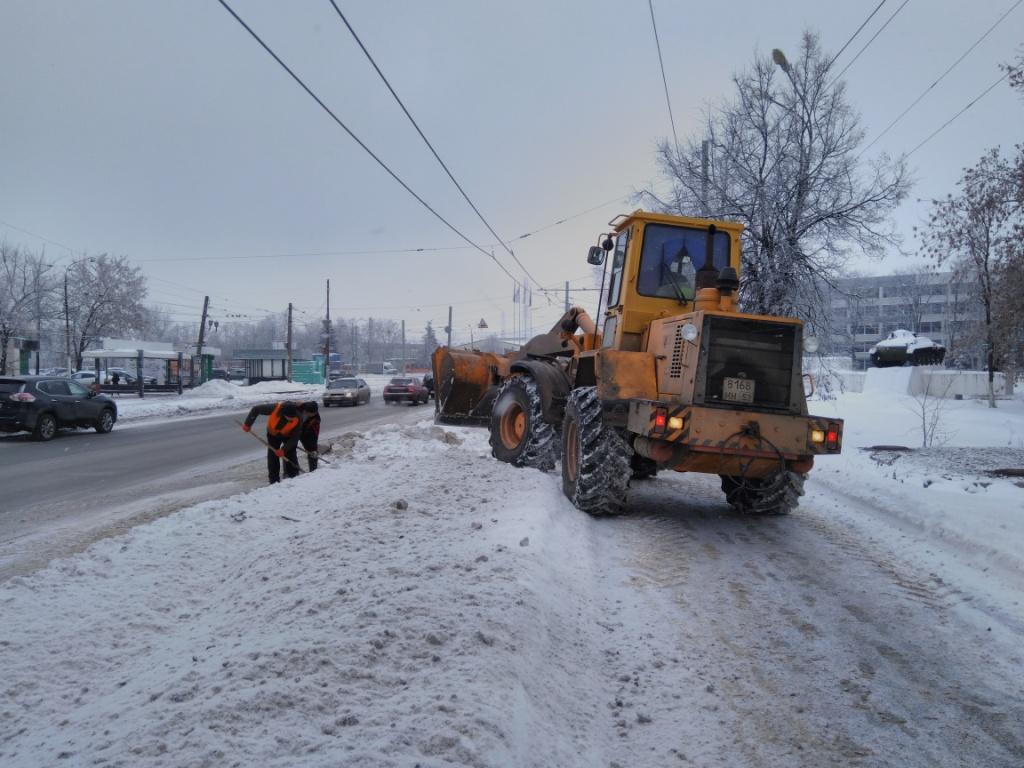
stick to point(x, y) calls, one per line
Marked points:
point(368, 614)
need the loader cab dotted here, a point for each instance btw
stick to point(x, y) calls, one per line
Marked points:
point(657, 263)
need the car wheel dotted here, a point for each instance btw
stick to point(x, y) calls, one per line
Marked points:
point(46, 427)
point(105, 423)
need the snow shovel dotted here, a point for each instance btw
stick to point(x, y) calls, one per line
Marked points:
point(241, 424)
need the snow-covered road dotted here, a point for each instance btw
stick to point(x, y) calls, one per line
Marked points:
point(423, 604)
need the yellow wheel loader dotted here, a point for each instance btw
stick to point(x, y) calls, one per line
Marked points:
point(676, 378)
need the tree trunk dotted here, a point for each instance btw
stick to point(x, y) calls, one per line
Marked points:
point(5, 337)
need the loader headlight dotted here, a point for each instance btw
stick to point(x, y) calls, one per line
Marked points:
point(810, 345)
point(689, 332)
point(817, 436)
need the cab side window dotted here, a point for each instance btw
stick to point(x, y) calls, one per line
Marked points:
point(618, 265)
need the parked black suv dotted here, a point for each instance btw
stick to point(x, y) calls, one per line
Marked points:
point(42, 404)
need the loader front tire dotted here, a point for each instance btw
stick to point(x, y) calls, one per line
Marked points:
point(595, 458)
point(777, 494)
point(519, 434)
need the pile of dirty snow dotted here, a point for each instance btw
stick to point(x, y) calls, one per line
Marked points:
point(382, 611)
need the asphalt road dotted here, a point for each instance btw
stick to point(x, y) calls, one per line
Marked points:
point(58, 497)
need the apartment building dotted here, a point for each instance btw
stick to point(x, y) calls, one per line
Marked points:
point(865, 310)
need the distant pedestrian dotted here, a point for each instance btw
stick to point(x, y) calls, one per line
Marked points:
point(310, 434)
point(284, 428)
point(116, 379)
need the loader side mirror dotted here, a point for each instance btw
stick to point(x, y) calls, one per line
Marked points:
point(808, 385)
point(595, 255)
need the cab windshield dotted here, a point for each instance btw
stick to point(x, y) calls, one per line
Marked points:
point(671, 257)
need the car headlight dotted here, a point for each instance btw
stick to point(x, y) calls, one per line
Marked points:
point(689, 331)
point(810, 344)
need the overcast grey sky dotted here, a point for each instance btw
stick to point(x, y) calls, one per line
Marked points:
point(161, 131)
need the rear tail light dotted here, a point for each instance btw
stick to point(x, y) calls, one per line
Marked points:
point(23, 397)
point(660, 420)
point(832, 437)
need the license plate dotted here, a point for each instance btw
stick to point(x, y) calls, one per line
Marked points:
point(738, 390)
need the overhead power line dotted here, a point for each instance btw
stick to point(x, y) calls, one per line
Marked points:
point(974, 101)
point(359, 141)
point(952, 66)
point(427, 142)
point(881, 29)
point(664, 80)
point(854, 35)
point(38, 237)
point(375, 252)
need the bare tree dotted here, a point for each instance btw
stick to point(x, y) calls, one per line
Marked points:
point(782, 158)
point(928, 406)
point(25, 285)
point(914, 291)
point(105, 295)
point(979, 230)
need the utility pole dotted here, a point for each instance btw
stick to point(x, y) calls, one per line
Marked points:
point(403, 346)
point(199, 346)
point(289, 341)
point(67, 327)
point(566, 295)
point(449, 328)
point(327, 343)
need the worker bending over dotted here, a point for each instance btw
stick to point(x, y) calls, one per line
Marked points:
point(284, 429)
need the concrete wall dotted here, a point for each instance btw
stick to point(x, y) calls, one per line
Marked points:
point(938, 382)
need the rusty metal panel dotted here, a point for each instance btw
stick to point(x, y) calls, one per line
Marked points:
point(625, 375)
point(716, 464)
point(708, 427)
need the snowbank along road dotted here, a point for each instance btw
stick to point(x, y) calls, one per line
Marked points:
point(60, 496)
point(468, 615)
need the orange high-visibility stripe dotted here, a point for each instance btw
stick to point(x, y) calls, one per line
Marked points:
point(278, 426)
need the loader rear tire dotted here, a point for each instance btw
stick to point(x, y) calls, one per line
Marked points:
point(777, 494)
point(595, 458)
point(519, 434)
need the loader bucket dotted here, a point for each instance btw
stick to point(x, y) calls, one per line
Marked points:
point(465, 385)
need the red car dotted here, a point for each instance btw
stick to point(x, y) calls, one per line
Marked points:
point(406, 389)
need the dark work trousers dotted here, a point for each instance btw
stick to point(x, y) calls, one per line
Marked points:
point(291, 459)
point(309, 439)
point(309, 444)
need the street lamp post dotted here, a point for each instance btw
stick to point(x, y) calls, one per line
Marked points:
point(481, 324)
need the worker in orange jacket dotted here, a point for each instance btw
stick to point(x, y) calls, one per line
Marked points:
point(284, 428)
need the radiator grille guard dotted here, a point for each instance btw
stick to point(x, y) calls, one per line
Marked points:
point(750, 350)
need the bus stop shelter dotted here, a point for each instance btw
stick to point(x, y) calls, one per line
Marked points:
point(174, 364)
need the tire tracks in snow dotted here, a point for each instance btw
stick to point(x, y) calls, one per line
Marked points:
point(816, 648)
